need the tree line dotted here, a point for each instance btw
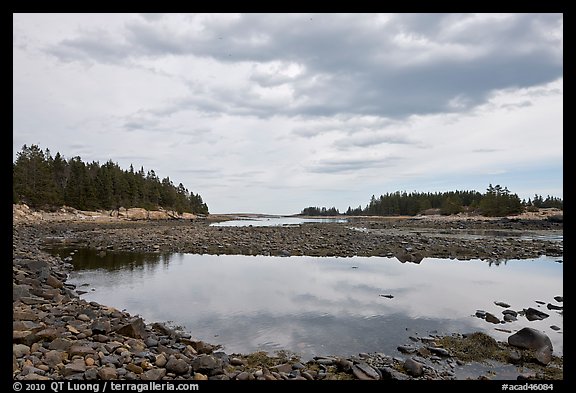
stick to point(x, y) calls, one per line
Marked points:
point(47, 182)
point(496, 201)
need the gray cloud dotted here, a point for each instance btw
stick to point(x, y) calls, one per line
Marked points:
point(95, 47)
point(345, 165)
point(140, 124)
point(410, 64)
point(373, 139)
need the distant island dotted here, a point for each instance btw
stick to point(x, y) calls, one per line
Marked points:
point(497, 201)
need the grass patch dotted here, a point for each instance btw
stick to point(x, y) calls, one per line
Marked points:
point(479, 347)
point(475, 347)
point(262, 359)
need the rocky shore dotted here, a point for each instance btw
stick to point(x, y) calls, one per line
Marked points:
point(407, 239)
point(58, 335)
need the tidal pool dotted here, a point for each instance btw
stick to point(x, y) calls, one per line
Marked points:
point(320, 305)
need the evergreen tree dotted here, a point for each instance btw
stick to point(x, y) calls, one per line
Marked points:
point(33, 180)
point(42, 181)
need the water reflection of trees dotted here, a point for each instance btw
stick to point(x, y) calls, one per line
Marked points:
point(496, 261)
point(91, 259)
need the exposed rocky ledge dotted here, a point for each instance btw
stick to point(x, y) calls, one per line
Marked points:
point(23, 213)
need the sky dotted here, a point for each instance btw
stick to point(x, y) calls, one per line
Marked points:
point(272, 113)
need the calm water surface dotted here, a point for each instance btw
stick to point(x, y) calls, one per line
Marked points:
point(274, 221)
point(319, 306)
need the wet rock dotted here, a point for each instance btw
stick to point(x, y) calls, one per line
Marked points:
point(526, 376)
point(502, 304)
point(325, 361)
point(201, 347)
point(406, 349)
point(509, 318)
point(101, 327)
point(163, 329)
point(237, 362)
point(245, 376)
point(206, 364)
point(413, 367)
point(307, 375)
point(554, 327)
point(535, 315)
point(177, 366)
point(344, 364)
point(365, 372)
point(530, 338)
point(135, 329)
point(391, 373)
point(492, 318)
point(439, 351)
point(298, 366)
point(283, 368)
point(550, 306)
point(559, 299)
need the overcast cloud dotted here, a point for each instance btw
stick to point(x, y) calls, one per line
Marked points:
point(275, 112)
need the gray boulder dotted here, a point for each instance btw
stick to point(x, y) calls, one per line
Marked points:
point(529, 338)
